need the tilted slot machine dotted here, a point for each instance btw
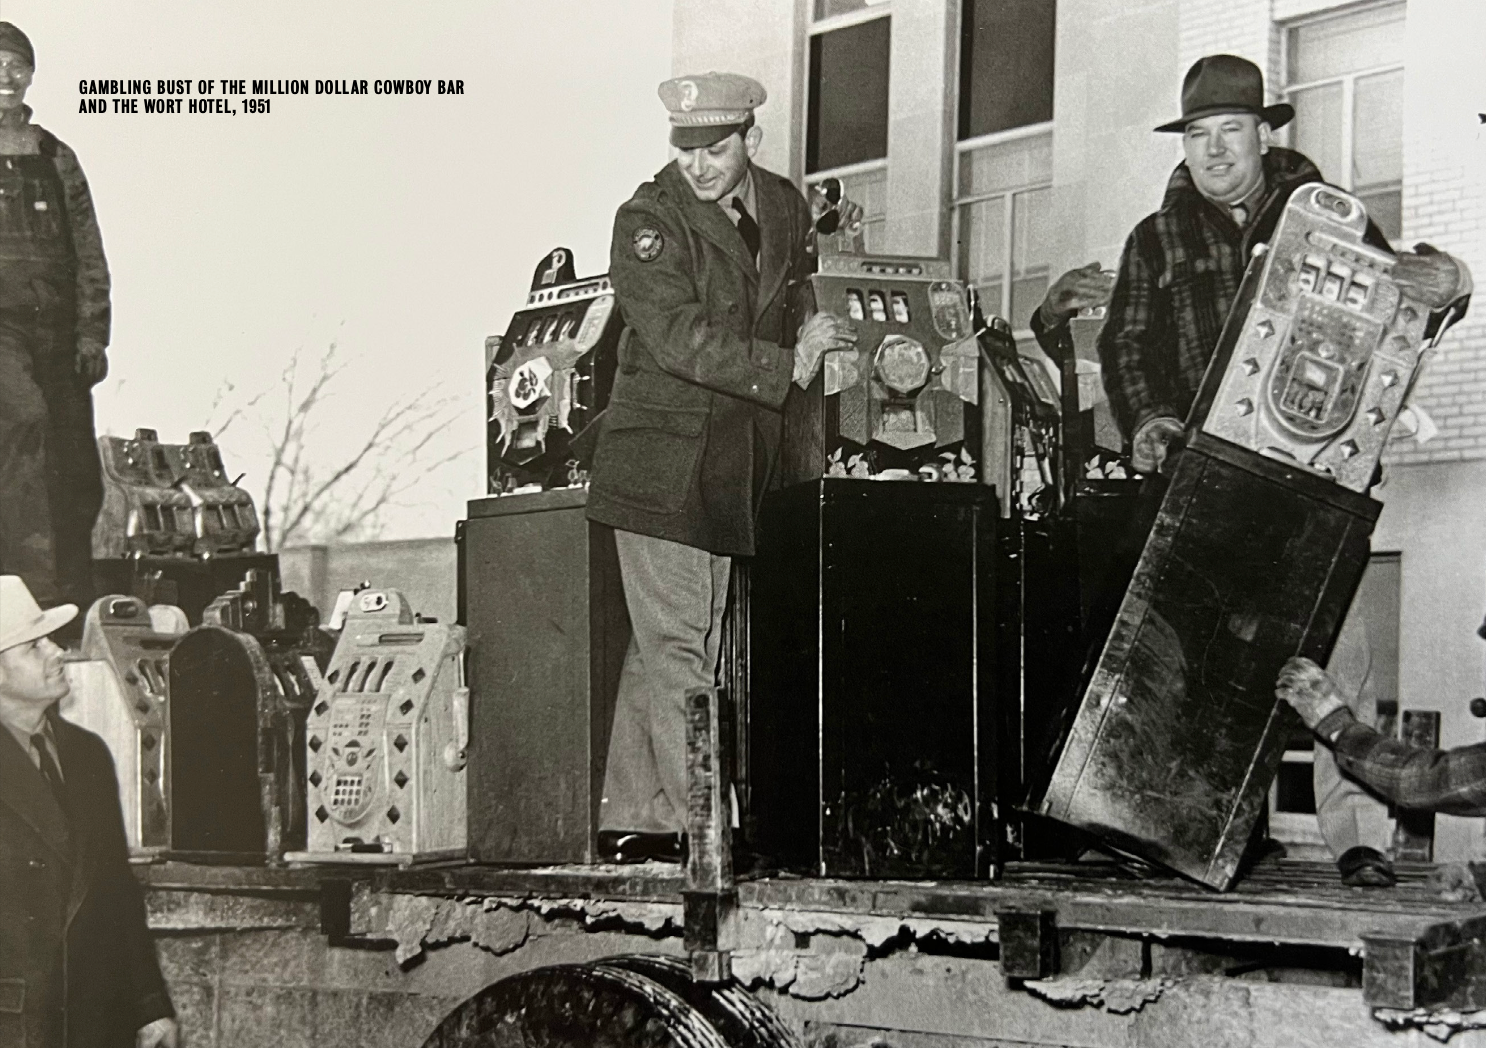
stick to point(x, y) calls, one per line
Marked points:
point(241, 687)
point(548, 376)
point(170, 500)
point(1259, 543)
point(120, 691)
point(909, 401)
point(387, 739)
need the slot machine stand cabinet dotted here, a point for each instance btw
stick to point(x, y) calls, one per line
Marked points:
point(1179, 734)
point(873, 679)
point(542, 602)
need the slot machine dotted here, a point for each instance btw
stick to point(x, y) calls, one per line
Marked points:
point(1258, 545)
point(173, 529)
point(120, 692)
point(170, 500)
point(548, 376)
point(241, 687)
point(908, 404)
point(387, 739)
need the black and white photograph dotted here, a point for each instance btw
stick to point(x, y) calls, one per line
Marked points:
point(742, 524)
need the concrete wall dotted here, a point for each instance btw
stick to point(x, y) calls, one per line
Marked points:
point(424, 569)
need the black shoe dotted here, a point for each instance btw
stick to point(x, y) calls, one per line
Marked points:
point(1364, 867)
point(626, 846)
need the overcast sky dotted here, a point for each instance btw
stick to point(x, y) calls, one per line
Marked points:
point(405, 227)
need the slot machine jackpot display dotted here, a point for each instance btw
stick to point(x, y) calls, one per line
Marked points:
point(1258, 546)
point(548, 376)
point(387, 737)
point(241, 687)
point(120, 692)
point(910, 400)
point(173, 529)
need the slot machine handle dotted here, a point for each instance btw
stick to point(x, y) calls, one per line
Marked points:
point(456, 753)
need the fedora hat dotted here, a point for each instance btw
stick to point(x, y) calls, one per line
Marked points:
point(1226, 84)
point(21, 618)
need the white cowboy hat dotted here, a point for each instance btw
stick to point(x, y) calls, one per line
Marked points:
point(21, 618)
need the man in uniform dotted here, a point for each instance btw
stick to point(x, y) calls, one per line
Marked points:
point(54, 323)
point(701, 262)
point(77, 964)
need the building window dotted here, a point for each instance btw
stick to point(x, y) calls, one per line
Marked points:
point(825, 9)
point(1344, 76)
point(1003, 220)
point(1006, 65)
point(846, 106)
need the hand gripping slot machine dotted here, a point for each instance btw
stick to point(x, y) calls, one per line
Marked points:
point(387, 739)
point(1259, 543)
point(241, 687)
point(548, 376)
point(120, 692)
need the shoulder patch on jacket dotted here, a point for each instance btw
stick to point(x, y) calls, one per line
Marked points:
point(648, 243)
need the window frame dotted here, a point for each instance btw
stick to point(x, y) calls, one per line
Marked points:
point(1347, 81)
point(874, 10)
point(959, 202)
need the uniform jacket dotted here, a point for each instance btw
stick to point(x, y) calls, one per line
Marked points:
point(51, 256)
point(77, 964)
point(692, 428)
point(1179, 275)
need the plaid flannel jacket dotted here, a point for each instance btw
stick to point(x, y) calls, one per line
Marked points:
point(1451, 781)
point(1178, 277)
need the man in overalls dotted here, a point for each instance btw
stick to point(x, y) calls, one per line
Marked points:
point(54, 321)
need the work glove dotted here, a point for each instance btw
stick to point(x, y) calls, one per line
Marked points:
point(1428, 276)
point(1083, 288)
point(1309, 689)
point(1153, 442)
point(820, 334)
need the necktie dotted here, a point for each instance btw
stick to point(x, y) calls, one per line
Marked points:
point(1240, 215)
point(49, 770)
point(747, 227)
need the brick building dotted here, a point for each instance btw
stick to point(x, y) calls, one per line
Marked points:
point(1014, 136)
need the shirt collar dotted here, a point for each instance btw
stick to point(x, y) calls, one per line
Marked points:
point(742, 191)
point(23, 736)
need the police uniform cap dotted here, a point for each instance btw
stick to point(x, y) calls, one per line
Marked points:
point(707, 107)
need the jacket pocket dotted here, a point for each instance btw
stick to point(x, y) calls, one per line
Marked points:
point(647, 454)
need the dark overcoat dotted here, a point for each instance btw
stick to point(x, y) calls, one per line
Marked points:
point(691, 433)
point(77, 964)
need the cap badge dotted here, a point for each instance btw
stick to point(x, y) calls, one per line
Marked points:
point(689, 95)
point(648, 244)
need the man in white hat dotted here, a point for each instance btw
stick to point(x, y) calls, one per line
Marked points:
point(77, 964)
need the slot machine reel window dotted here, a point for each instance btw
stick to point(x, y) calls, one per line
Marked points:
point(1344, 76)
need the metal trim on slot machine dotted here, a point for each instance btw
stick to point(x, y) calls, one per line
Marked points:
point(1258, 546)
point(387, 740)
point(120, 692)
point(548, 377)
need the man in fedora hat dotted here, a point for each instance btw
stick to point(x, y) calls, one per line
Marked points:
point(1182, 264)
point(54, 329)
point(77, 964)
point(701, 261)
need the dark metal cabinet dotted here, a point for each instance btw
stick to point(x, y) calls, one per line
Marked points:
point(1179, 733)
point(547, 627)
point(874, 679)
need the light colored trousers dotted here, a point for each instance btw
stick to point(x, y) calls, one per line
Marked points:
point(676, 596)
point(1348, 815)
